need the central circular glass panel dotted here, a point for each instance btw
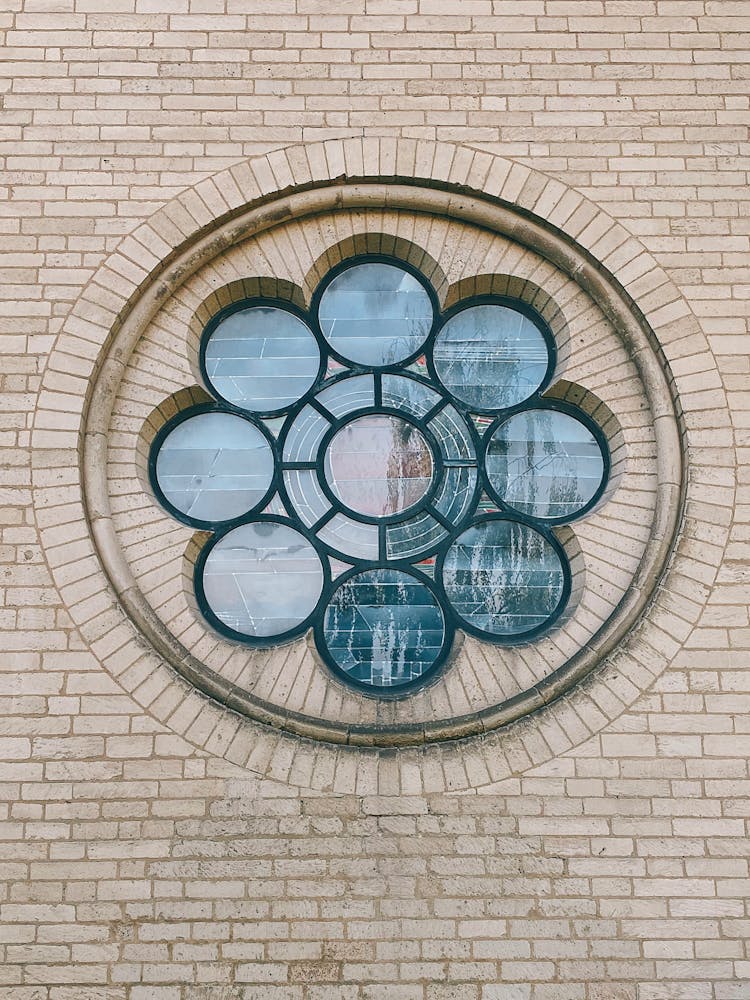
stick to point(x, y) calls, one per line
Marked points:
point(378, 465)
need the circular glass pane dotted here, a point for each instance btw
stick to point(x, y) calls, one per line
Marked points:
point(490, 356)
point(375, 314)
point(262, 579)
point(383, 628)
point(214, 467)
point(262, 359)
point(503, 578)
point(545, 463)
point(378, 465)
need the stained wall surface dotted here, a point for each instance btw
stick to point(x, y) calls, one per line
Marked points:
point(610, 858)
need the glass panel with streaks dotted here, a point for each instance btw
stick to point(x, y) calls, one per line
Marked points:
point(378, 465)
point(453, 435)
point(375, 314)
point(503, 578)
point(411, 538)
point(383, 628)
point(409, 395)
point(490, 356)
point(545, 463)
point(456, 492)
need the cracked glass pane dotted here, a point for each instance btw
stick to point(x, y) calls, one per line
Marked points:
point(262, 358)
point(456, 493)
point(409, 395)
point(490, 356)
point(545, 463)
point(214, 466)
point(262, 579)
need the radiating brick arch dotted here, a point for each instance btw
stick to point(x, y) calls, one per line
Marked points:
point(90, 355)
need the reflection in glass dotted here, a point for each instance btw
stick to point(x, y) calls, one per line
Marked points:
point(453, 435)
point(378, 465)
point(490, 356)
point(262, 579)
point(305, 435)
point(409, 395)
point(544, 463)
point(411, 538)
point(375, 314)
point(349, 394)
point(383, 628)
point(353, 538)
point(214, 466)
point(503, 578)
point(262, 358)
point(455, 493)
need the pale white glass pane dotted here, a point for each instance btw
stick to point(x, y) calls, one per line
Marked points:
point(262, 579)
point(378, 465)
point(214, 466)
point(262, 358)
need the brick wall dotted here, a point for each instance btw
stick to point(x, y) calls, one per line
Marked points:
point(137, 867)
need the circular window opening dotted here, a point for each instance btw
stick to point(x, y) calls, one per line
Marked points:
point(412, 489)
point(375, 314)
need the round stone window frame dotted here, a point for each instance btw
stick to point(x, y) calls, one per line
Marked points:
point(461, 184)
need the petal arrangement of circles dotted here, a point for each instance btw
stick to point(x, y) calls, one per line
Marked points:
point(380, 473)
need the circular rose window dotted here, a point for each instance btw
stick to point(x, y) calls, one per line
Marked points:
point(381, 473)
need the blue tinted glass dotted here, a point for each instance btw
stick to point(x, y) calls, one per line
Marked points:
point(262, 579)
point(545, 463)
point(503, 578)
point(383, 628)
point(262, 359)
point(375, 314)
point(214, 466)
point(490, 356)
point(411, 538)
